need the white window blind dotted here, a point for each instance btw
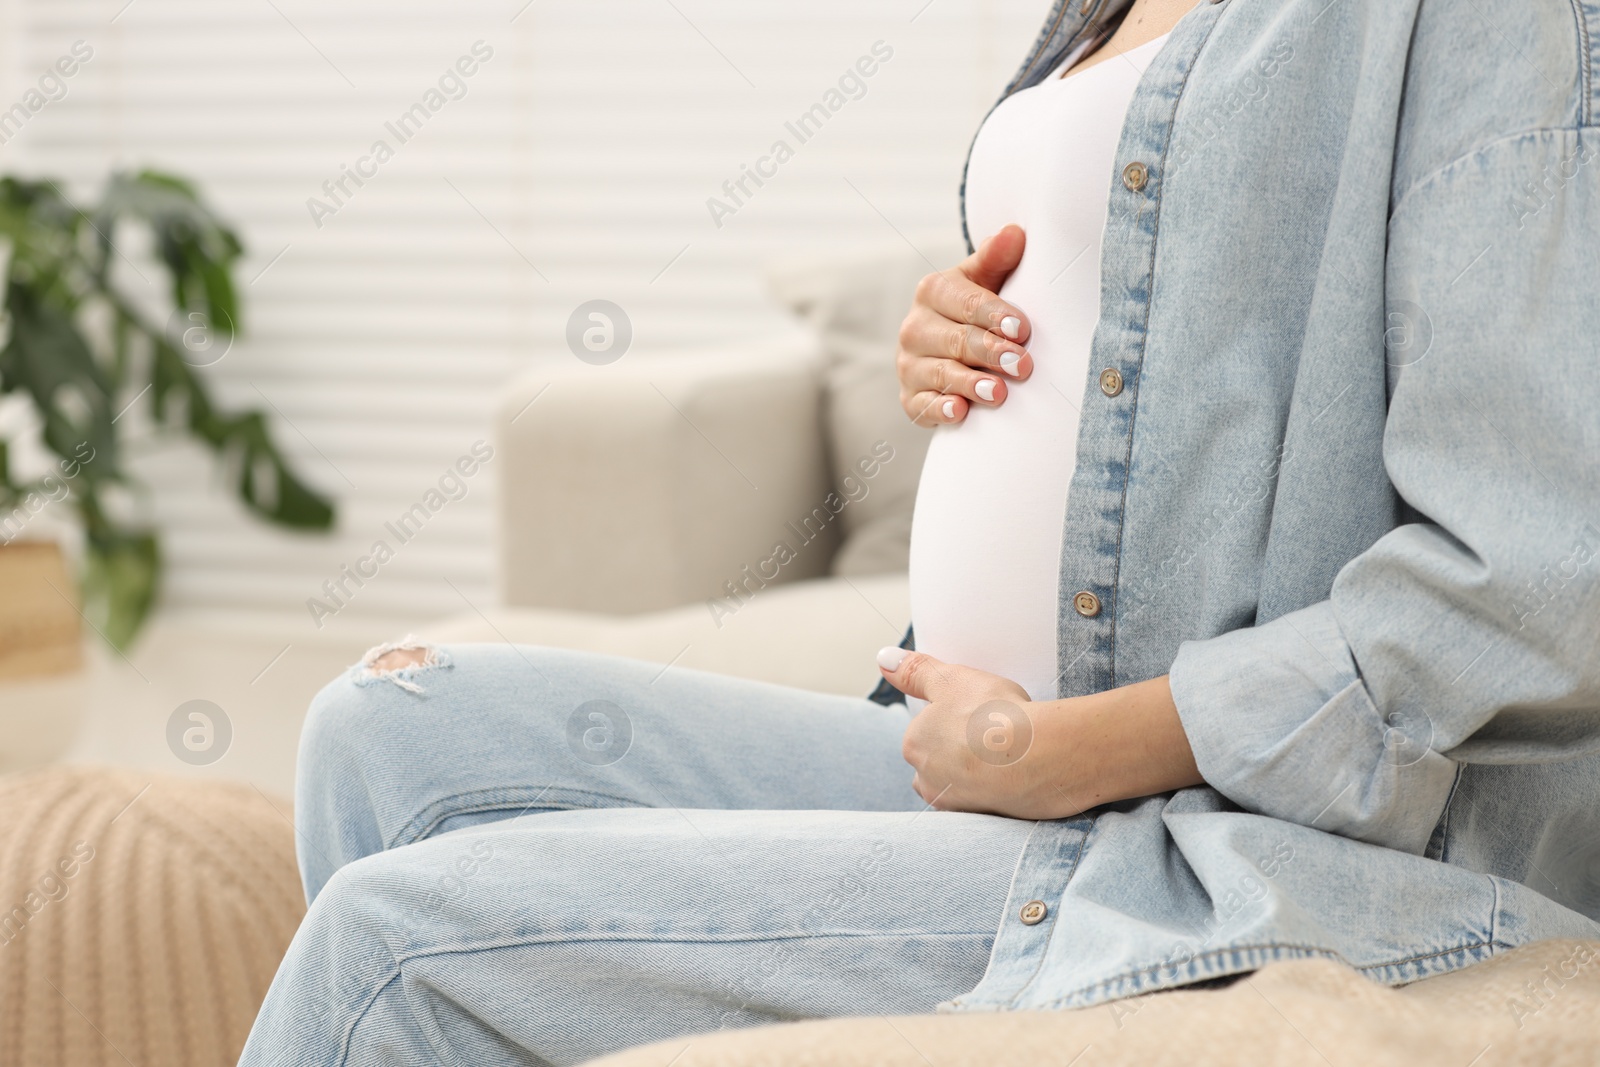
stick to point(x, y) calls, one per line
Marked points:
point(535, 156)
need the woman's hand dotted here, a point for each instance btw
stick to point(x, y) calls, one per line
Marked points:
point(982, 745)
point(960, 341)
point(975, 746)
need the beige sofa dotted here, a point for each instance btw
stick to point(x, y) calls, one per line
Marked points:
point(745, 510)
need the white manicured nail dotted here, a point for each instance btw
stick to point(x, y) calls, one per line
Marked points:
point(891, 657)
point(1011, 326)
point(985, 389)
point(949, 409)
point(1009, 361)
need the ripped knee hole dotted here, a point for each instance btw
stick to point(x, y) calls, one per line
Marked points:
point(395, 661)
point(400, 657)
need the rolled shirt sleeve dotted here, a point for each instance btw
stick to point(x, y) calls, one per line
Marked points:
point(1474, 634)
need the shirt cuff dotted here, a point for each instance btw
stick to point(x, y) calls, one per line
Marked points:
point(1281, 723)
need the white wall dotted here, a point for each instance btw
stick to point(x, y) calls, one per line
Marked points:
point(577, 166)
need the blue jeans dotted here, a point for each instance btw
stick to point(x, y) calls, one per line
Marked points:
point(526, 855)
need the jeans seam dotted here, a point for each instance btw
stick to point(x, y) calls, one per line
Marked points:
point(654, 937)
point(1585, 61)
point(350, 1031)
point(1441, 829)
point(426, 821)
point(1494, 913)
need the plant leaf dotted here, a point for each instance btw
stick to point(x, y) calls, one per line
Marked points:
point(124, 572)
point(49, 359)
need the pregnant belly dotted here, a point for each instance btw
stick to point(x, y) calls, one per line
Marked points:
point(986, 535)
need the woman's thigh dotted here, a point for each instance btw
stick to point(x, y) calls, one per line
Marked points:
point(489, 732)
point(558, 937)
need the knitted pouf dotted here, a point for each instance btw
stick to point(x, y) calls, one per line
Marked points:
point(141, 916)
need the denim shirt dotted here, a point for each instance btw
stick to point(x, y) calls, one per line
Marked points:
point(1348, 497)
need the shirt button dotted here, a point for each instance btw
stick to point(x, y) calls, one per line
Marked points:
point(1086, 604)
point(1033, 912)
point(1111, 381)
point(1134, 175)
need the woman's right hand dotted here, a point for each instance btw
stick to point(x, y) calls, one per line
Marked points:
point(961, 342)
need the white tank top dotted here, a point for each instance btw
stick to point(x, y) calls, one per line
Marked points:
point(986, 531)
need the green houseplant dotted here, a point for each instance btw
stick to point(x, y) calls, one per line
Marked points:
point(76, 345)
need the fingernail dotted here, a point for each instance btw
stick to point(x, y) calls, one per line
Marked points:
point(985, 389)
point(949, 409)
point(1011, 326)
point(1009, 361)
point(890, 658)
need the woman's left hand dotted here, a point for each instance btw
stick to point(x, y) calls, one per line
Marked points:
point(981, 745)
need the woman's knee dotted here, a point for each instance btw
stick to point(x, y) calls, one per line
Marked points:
point(413, 899)
point(349, 940)
point(360, 732)
point(336, 997)
point(408, 722)
point(364, 710)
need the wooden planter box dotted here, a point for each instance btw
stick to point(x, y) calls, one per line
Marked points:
point(40, 629)
point(42, 684)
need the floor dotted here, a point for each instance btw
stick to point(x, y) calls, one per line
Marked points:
point(259, 681)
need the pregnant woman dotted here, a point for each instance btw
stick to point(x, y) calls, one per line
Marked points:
point(1253, 583)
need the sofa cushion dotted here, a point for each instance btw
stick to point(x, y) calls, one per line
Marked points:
point(143, 916)
point(1537, 1006)
point(855, 304)
point(819, 634)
